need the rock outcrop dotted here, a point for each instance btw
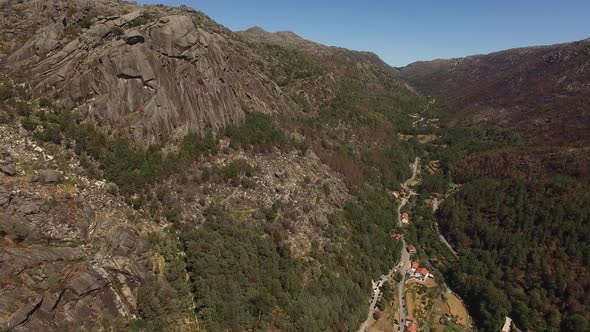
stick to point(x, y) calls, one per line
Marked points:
point(70, 255)
point(50, 176)
point(8, 170)
point(148, 72)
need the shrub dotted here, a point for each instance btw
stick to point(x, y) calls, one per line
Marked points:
point(117, 32)
point(22, 108)
point(131, 168)
point(258, 132)
point(6, 92)
point(172, 215)
point(72, 31)
point(28, 124)
point(85, 22)
point(235, 169)
point(5, 118)
point(51, 133)
point(194, 146)
point(142, 20)
point(45, 103)
point(136, 202)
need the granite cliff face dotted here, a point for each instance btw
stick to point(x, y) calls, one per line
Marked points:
point(79, 252)
point(76, 252)
point(151, 72)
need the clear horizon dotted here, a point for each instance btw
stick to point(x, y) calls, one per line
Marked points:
point(402, 33)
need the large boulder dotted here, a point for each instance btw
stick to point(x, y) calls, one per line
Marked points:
point(4, 196)
point(50, 176)
point(8, 170)
point(134, 37)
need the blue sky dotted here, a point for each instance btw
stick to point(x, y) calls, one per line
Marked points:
point(401, 32)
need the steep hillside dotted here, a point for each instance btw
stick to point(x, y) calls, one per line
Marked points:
point(160, 172)
point(515, 136)
point(326, 66)
point(238, 172)
point(150, 73)
point(70, 251)
point(542, 91)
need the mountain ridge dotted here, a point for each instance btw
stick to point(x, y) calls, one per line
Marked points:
point(541, 90)
point(188, 177)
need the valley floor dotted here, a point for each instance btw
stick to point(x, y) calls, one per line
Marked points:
point(428, 304)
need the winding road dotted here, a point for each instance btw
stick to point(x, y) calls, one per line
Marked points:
point(403, 265)
point(405, 256)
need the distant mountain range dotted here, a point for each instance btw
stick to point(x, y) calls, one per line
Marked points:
point(543, 91)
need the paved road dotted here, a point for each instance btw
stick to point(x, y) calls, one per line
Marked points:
point(415, 166)
point(409, 191)
point(401, 288)
point(402, 266)
point(405, 256)
point(377, 294)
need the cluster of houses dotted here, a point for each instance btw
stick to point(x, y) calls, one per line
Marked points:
point(416, 271)
point(397, 194)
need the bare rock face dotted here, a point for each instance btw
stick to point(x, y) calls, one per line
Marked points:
point(69, 254)
point(148, 72)
point(8, 170)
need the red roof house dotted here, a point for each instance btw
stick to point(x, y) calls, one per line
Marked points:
point(421, 273)
point(411, 249)
point(412, 327)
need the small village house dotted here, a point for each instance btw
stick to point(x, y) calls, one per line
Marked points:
point(405, 218)
point(421, 273)
point(418, 272)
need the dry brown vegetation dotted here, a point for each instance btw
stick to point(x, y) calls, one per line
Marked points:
point(541, 91)
point(527, 163)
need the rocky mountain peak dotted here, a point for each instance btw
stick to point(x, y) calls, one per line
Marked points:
point(284, 39)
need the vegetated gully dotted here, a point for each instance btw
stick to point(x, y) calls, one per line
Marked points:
point(435, 205)
point(404, 263)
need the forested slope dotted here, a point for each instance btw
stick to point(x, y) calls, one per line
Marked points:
point(524, 250)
